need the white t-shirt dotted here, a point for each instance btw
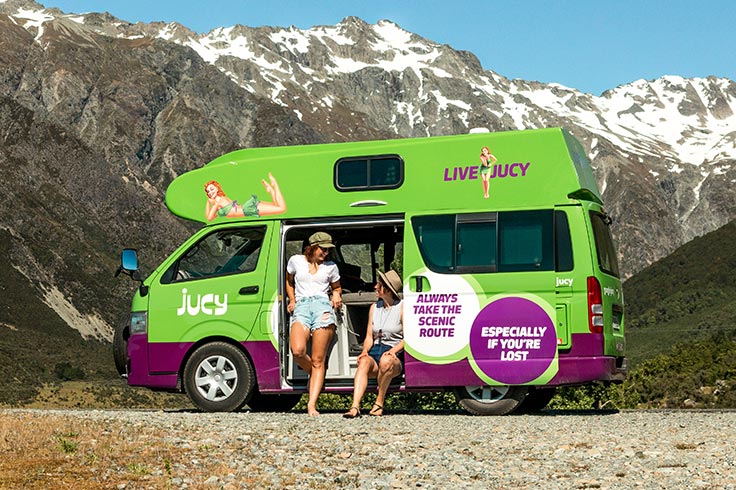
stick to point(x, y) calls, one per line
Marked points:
point(306, 284)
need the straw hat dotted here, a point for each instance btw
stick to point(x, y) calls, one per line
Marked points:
point(392, 280)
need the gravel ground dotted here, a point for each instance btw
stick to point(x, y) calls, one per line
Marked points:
point(565, 450)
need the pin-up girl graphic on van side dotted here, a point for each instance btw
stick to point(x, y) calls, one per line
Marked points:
point(486, 162)
point(219, 205)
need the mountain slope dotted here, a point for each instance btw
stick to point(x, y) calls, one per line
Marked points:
point(687, 296)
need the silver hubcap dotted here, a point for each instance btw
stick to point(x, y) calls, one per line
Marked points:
point(487, 394)
point(216, 378)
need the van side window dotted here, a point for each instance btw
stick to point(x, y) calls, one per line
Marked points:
point(604, 249)
point(525, 241)
point(231, 251)
point(563, 243)
point(364, 173)
point(476, 242)
point(436, 239)
point(512, 241)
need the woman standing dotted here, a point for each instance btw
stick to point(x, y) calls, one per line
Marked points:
point(382, 355)
point(486, 162)
point(314, 292)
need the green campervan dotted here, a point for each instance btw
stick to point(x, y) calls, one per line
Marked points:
point(511, 283)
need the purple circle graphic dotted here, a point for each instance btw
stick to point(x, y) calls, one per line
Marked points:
point(513, 340)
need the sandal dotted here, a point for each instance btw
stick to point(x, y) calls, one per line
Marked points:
point(354, 412)
point(376, 411)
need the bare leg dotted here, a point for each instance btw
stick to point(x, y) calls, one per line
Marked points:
point(298, 339)
point(389, 368)
point(321, 339)
point(366, 368)
point(278, 205)
point(486, 186)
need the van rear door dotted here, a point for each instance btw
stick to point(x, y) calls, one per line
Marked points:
point(610, 284)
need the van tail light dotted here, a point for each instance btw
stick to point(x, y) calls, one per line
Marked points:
point(595, 306)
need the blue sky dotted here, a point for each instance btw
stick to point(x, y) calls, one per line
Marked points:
point(588, 45)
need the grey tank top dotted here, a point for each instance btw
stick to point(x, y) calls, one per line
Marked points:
point(387, 328)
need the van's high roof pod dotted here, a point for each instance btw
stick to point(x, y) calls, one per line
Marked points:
point(545, 166)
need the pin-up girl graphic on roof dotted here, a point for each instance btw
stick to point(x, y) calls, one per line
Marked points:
point(219, 205)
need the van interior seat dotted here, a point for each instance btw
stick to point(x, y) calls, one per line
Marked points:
point(354, 318)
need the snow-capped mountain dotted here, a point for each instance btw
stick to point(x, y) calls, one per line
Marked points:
point(150, 101)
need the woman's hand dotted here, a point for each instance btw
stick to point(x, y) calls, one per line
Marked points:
point(290, 307)
point(336, 300)
point(390, 353)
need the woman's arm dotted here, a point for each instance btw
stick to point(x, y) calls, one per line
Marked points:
point(336, 299)
point(290, 292)
point(397, 348)
point(211, 209)
point(368, 342)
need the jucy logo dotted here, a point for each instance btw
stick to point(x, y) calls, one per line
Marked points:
point(208, 304)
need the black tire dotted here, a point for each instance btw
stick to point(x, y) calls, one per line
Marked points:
point(490, 400)
point(120, 348)
point(536, 400)
point(218, 377)
point(273, 403)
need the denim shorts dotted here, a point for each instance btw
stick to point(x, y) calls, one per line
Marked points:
point(377, 351)
point(313, 312)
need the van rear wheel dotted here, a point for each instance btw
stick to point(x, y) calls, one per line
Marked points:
point(490, 400)
point(219, 378)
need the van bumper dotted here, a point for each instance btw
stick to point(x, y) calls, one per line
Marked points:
point(585, 362)
point(138, 374)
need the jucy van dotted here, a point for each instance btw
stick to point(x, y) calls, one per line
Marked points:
point(506, 297)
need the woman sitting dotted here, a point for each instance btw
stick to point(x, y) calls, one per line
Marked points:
point(382, 356)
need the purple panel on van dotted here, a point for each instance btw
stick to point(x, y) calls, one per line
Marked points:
point(421, 374)
point(156, 365)
point(166, 357)
point(266, 363)
point(139, 374)
point(585, 362)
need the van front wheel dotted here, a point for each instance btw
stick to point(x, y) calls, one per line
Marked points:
point(490, 400)
point(219, 378)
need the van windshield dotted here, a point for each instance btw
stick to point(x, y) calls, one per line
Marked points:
point(604, 248)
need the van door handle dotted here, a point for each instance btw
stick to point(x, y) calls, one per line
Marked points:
point(248, 290)
point(419, 283)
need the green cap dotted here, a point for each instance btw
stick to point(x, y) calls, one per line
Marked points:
point(322, 239)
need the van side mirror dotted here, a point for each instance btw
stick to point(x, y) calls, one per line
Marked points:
point(129, 260)
point(129, 267)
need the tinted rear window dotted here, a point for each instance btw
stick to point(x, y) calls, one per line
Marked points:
point(604, 248)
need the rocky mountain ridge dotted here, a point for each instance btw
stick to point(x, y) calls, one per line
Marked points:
point(98, 115)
